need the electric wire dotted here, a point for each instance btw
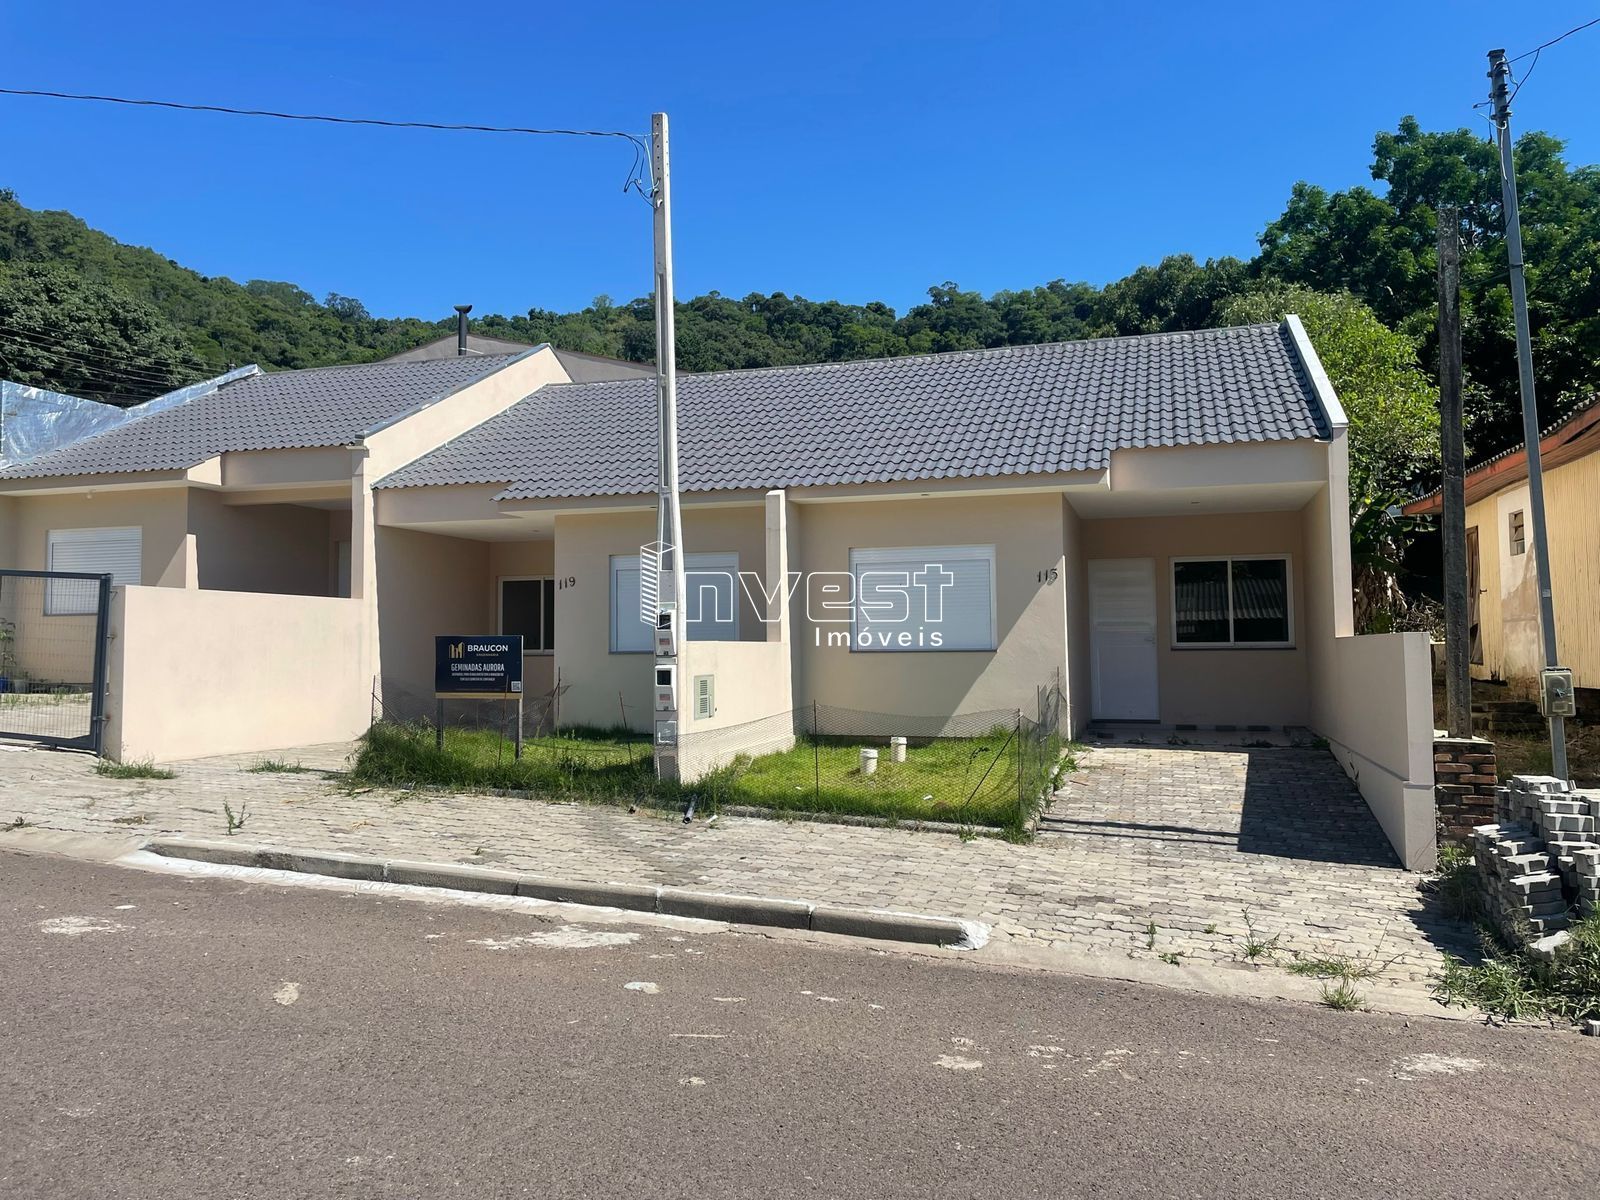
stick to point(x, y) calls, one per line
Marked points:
point(46, 337)
point(149, 372)
point(639, 173)
point(61, 361)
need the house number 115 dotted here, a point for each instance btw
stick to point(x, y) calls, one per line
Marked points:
point(1049, 575)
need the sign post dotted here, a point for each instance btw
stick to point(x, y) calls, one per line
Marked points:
point(486, 666)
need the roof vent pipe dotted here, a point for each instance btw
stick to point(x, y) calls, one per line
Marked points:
point(461, 328)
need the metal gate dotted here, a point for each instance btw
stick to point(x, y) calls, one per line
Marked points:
point(53, 657)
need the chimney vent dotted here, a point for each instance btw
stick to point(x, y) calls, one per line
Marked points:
point(461, 328)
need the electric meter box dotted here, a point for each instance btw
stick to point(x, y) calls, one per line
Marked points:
point(1556, 697)
point(666, 688)
point(667, 634)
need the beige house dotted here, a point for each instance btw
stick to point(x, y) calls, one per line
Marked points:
point(1158, 524)
point(238, 528)
point(1503, 599)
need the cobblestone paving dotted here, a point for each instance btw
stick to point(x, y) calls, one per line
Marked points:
point(1186, 839)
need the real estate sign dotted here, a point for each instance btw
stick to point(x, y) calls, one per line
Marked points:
point(486, 665)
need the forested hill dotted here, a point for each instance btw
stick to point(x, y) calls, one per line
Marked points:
point(83, 313)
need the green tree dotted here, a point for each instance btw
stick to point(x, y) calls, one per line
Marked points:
point(1393, 409)
point(1381, 248)
point(59, 331)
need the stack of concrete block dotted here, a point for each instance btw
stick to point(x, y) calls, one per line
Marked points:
point(1540, 861)
point(1522, 894)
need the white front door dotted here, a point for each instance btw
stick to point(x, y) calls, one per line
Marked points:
point(1122, 639)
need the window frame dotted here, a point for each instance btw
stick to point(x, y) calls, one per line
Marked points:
point(730, 565)
point(1517, 527)
point(52, 605)
point(931, 554)
point(500, 610)
point(1288, 596)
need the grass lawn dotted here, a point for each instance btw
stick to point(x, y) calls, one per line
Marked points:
point(961, 780)
point(944, 780)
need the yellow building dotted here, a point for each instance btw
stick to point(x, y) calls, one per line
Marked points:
point(1502, 583)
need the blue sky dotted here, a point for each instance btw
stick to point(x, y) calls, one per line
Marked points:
point(853, 151)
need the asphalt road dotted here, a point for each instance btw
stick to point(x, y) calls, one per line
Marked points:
point(163, 1037)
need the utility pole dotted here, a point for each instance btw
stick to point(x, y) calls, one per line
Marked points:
point(1453, 525)
point(671, 603)
point(1550, 690)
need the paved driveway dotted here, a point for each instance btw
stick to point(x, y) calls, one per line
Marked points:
point(1204, 843)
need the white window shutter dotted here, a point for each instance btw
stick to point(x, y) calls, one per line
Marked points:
point(961, 613)
point(713, 601)
point(117, 552)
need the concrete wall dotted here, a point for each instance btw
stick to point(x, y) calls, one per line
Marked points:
point(260, 547)
point(1225, 686)
point(427, 586)
point(1076, 583)
point(206, 672)
point(599, 682)
point(1509, 603)
point(1374, 705)
point(1031, 617)
point(162, 514)
point(753, 711)
point(8, 533)
point(510, 560)
point(1371, 696)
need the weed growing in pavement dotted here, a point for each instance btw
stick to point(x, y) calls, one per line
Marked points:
point(1455, 884)
point(139, 769)
point(1150, 936)
point(1210, 929)
point(1255, 946)
point(1514, 984)
point(235, 819)
point(1175, 740)
point(1171, 957)
point(276, 766)
point(19, 823)
point(1333, 967)
point(1342, 996)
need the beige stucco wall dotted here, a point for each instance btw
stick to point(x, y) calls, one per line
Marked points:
point(8, 533)
point(1209, 687)
point(1375, 708)
point(510, 560)
point(1031, 622)
point(208, 672)
point(753, 706)
point(1075, 581)
point(260, 547)
point(598, 682)
point(427, 586)
point(1510, 599)
point(162, 514)
point(1371, 696)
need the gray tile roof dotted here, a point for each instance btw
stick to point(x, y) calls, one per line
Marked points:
point(1014, 411)
point(324, 406)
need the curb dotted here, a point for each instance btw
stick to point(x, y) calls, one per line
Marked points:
point(666, 901)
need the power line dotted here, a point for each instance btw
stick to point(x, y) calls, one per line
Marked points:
point(1536, 52)
point(150, 370)
point(39, 333)
point(89, 365)
point(641, 148)
point(1554, 40)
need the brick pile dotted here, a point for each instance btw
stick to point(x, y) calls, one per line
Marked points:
point(1541, 861)
point(1464, 785)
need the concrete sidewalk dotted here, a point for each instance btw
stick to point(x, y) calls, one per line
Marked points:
point(1186, 852)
